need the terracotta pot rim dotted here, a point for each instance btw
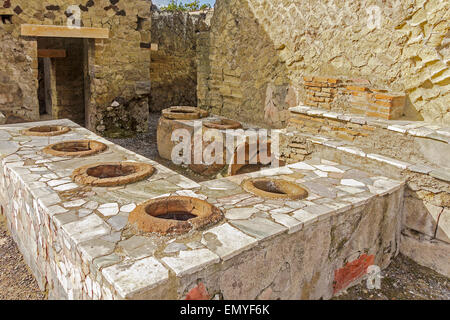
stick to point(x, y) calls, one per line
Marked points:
point(206, 215)
point(222, 124)
point(291, 191)
point(184, 113)
point(60, 130)
point(141, 171)
point(94, 148)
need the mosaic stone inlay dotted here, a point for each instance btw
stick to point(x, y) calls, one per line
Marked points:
point(80, 244)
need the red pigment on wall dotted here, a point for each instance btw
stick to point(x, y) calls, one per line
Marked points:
point(351, 271)
point(198, 293)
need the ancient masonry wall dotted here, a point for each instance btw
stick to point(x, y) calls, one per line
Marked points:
point(18, 77)
point(173, 70)
point(260, 50)
point(354, 97)
point(118, 80)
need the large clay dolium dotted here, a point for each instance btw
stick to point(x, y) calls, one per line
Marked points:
point(172, 119)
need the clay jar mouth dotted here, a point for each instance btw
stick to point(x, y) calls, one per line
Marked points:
point(184, 113)
point(174, 215)
point(110, 174)
point(78, 148)
point(223, 124)
point(46, 131)
point(275, 189)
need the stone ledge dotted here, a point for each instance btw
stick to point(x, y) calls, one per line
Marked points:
point(414, 128)
point(438, 173)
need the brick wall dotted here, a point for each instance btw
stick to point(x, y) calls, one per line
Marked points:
point(240, 74)
point(373, 103)
point(351, 96)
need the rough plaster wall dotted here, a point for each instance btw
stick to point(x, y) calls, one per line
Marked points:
point(18, 77)
point(408, 52)
point(243, 65)
point(120, 64)
point(173, 70)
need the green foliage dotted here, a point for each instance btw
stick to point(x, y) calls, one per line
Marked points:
point(193, 5)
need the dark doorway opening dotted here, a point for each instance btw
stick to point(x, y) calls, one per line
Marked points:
point(62, 79)
point(44, 89)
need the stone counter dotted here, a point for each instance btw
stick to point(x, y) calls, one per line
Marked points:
point(78, 244)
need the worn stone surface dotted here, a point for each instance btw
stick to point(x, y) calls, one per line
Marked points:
point(132, 278)
point(427, 252)
point(421, 217)
point(191, 261)
point(227, 241)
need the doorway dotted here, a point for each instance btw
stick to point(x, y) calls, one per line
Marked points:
point(61, 75)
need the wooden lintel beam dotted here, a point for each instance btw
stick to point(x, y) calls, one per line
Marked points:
point(34, 30)
point(52, 53)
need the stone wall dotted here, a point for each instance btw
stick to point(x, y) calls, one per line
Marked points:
point(118, 67)
point(353, 96)
point(242, 65)
point(260, 50)
point(173, 70)
point(18, 76)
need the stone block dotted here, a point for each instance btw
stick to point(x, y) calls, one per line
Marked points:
point(425, 251)
point(421, 216)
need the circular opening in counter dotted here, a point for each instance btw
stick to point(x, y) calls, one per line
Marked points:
point(184, 113)
point(223, 124)
point(112, 174)
point(46, 131)
point(78, 148)
point(275, 189)
point(174, 215)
